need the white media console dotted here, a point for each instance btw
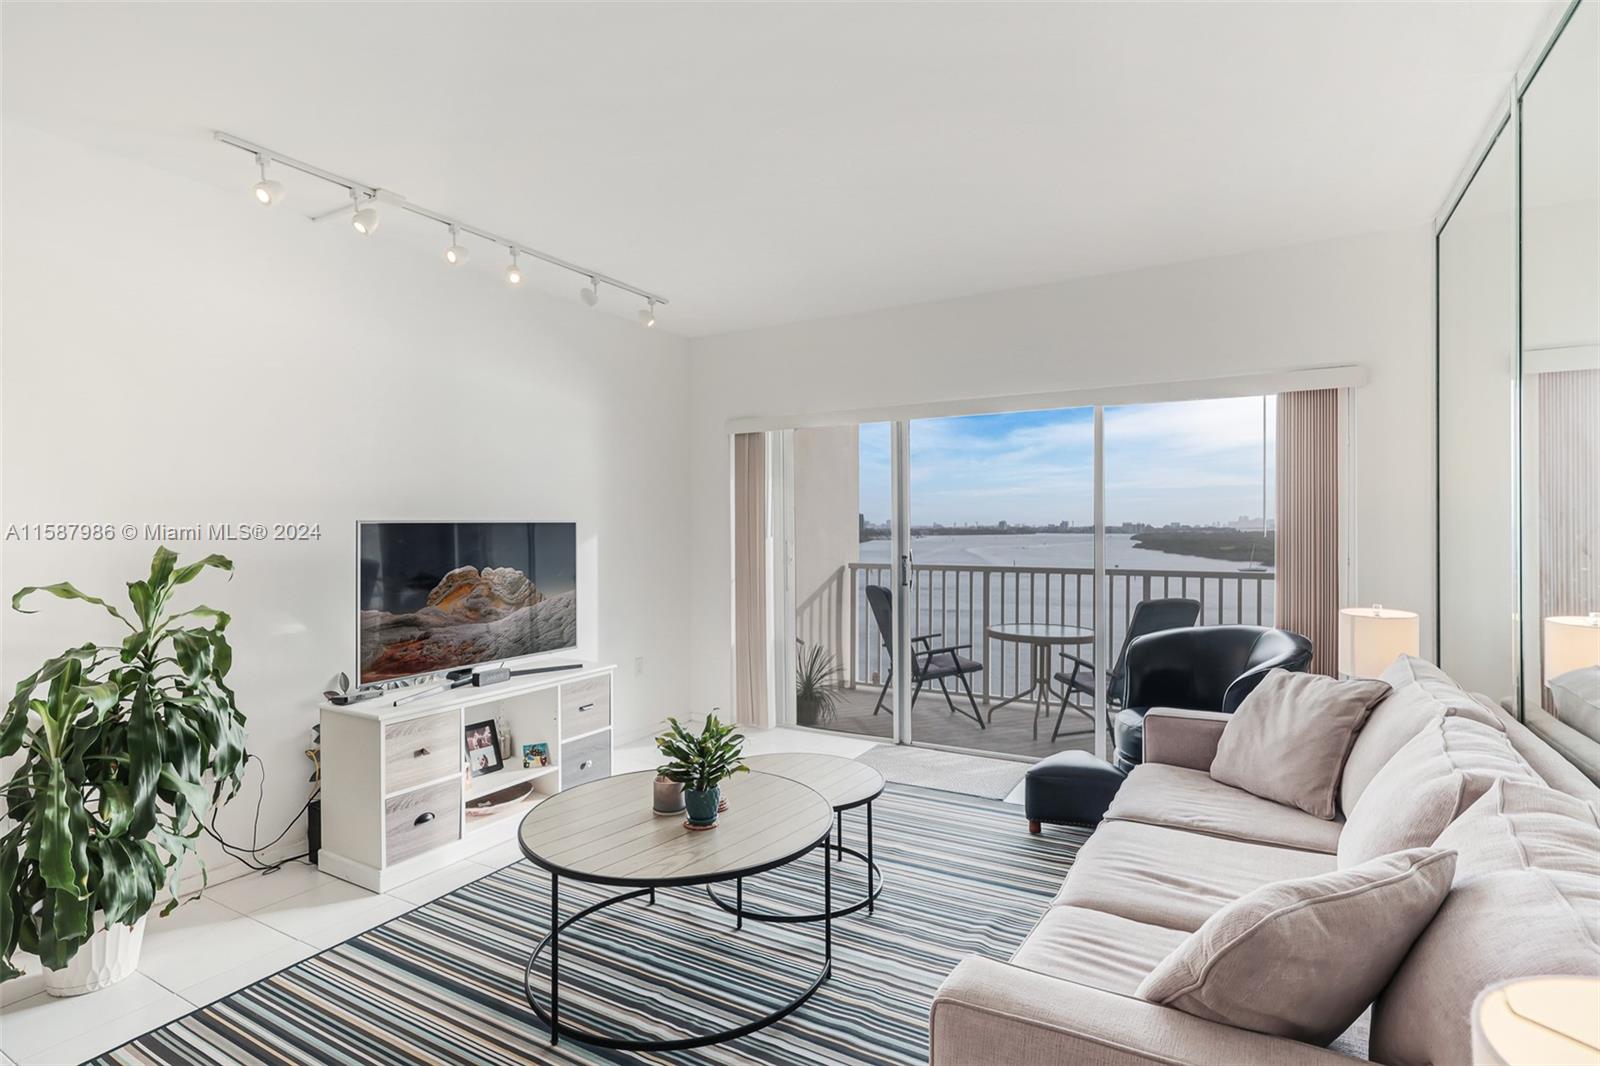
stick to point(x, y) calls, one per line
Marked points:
point(394, 792)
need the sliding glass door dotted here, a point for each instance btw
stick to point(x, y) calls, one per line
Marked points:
point(842, 551)
point(971, 582)
point(1001, 522)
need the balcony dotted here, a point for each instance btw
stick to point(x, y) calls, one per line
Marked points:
point(961, 602)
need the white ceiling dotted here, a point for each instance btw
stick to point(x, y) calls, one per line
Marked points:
point(764, 163)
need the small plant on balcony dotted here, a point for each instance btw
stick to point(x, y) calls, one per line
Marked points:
point(700, 763)
point(816, 696)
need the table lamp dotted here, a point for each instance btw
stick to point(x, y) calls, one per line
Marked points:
point(1370, 638)
point(1571, 642)
point(1538, 1021)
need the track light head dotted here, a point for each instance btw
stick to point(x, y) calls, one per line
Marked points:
point(365, 219)
point(266, 191)
point(647, 314)
point(455, 255)
point(590, 293)
point(513, 272)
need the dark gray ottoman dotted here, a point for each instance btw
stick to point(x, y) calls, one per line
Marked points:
point(1069, 788)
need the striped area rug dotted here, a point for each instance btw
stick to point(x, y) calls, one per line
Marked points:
point(443, 983)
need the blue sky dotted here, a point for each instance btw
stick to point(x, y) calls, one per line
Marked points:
point(1194, 462)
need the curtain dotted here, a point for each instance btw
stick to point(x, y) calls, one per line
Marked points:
point(750, 581)
point(1307, 588)
point(1569, 496)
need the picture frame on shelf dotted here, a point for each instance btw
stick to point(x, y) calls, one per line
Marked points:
point(535, 755)
point(482, 741)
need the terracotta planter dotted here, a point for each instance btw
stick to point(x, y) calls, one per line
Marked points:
point(109, 956)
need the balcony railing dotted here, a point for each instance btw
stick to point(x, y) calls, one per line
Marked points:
point(961, 602)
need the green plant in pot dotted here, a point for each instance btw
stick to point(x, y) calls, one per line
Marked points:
point(124, 747)
point(700, 762)
point(816, 697)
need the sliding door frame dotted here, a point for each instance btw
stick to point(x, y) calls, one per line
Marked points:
point(780, 450)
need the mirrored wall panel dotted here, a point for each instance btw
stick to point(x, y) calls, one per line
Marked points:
point(1560, 393)
point(1478, 430)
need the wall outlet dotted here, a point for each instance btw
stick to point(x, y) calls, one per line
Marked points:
point(638, 664)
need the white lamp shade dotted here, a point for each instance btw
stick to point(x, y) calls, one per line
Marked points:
point(1570, 643)
point(1537, 1021)
point(1370, 638)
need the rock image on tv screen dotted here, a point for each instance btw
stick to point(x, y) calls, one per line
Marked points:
point(441, 595)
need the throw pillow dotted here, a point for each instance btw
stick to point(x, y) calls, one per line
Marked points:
point(1289, 739)
point(1304, 958)
point(1428, 783)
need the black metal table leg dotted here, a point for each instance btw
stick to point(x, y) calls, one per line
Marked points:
point(827, 901)
point(738, 911)
point(555, 959)
point(872, 897)
point(841, 836)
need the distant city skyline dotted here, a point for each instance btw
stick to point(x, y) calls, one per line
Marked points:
point(1195, 463)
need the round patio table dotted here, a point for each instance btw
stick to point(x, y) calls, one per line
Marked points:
point(1041, 638)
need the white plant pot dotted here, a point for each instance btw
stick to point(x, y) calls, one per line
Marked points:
point(109, 956)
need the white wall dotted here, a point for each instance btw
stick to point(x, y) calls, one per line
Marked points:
point(175, 353)
point(1364, 300)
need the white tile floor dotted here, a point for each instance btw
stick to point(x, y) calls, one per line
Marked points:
point(249, 928)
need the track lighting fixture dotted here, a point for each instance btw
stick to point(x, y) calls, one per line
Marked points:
point(455, 255)
point(365, 219)
point(267, 191)
point(363, 215)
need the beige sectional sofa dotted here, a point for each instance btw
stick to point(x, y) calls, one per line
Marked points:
point(1176, 846)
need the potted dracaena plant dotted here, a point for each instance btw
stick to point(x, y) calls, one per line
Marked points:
point(117, 744)
point(700, 763)
point(816, 699)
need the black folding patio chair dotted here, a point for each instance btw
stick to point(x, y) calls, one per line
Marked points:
point(1149, 616)
point(928, 663)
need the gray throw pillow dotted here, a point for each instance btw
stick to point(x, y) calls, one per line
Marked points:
point(1304, 958)
point(1289, 739)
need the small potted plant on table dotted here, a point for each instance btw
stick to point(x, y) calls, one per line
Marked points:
point(700, 763)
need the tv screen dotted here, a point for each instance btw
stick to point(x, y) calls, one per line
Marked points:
point(439, 596)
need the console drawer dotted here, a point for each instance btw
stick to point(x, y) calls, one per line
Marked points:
point(585, 706)
point(421, 749)
point(588, 759)
point(421, 820)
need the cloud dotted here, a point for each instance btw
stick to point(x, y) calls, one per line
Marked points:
point(1193, 462)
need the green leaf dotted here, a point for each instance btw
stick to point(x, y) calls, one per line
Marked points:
point(185, 574)
point(54, 822)
point(65, 591)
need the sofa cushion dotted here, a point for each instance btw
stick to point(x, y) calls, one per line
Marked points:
point(1303, 958)
point(1526, 902)
point(1397, 718)
point(1549, 763)
point(1173, 796)
point(1095, 948)
point(1439, 773)
point(1174, 878)
point(1290, 737)
point(1518, 824)
point(1408, 670)
point(1492, 927)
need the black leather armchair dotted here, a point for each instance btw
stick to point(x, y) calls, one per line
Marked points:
point(1208, 668)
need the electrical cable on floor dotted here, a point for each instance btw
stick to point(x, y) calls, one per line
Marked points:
point(247, 856)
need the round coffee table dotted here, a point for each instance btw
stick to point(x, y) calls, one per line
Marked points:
point(846, 784)
point(605, 833)
point(1041, 638)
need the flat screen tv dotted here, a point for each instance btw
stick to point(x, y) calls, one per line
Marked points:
point(439, 596)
